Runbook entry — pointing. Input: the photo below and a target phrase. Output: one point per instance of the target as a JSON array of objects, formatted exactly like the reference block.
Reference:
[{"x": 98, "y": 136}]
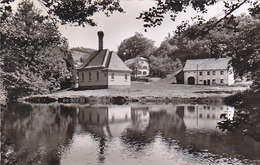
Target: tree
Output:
[
  {"x": 162, "y": 66},
  {"x": 135, "y": 46},
  {"x": 71, "y": 11},
  {"x": 34, "y": 56},
  {"x": 154, "y": 16}
]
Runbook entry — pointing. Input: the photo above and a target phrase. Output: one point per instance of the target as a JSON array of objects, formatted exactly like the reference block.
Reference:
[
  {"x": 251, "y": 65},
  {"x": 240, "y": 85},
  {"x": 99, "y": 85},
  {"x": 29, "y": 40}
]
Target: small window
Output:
[
  {"x": 180, "y": 108},
  {"x": 112, "y": 76},
  {"x": 144, "y": 67},
  {"x": 90, "y": 117},
  {"x": 191, "y": 108},
  {"x": 98, "y": 118},
  {"x": 125, "y": 76},
  {"x": 221, "y": 81},
  {"x": 97, "y": 75},
  {"x": 139, "y": 73},
  {"x": 82, "y": 75},
  {"x": 201, "y": 73},
  {"x": 89, "y": 76},
  {"x": 213, "y": 81},
  {"x": 144, "y": 73},
  {"x": 221, "y": 72},
  {"x": 208, "y": 72},
  {"x": 213, "y": 72}
]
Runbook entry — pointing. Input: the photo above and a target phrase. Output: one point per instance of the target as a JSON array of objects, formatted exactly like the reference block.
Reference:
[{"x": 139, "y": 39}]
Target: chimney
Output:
[{"x": 100, "y": 40}]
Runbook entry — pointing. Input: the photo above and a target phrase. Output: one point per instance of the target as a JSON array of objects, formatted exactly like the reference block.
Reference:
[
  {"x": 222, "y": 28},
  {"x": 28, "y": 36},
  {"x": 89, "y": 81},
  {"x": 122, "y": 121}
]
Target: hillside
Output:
[{"x": 80, "y": 54}]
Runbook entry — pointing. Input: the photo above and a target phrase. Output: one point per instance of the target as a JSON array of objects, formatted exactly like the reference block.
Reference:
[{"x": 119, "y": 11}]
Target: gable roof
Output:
[
  {"x": 206, "y": 64},
  {"x": 106, "y": 60},
  {"x": 133, "y": 60}
]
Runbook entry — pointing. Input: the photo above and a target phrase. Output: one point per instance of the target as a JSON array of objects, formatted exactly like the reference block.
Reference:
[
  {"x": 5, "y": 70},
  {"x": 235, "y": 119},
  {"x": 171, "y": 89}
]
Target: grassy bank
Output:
[{"x": 143, "y": 92}]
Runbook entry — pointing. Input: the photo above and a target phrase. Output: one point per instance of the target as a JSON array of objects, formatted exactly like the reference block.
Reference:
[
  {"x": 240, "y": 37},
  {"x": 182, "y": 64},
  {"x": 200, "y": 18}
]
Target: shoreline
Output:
[{"x": 120, "y": 100}]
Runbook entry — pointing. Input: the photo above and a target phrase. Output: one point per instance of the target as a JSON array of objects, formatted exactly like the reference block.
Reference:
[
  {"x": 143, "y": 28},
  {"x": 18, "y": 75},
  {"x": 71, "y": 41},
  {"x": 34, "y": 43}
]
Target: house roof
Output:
[
  {"x": 206, "y": 64},
  {"x": 106, "y": 60},
  {"x": 133, "y": 60}
]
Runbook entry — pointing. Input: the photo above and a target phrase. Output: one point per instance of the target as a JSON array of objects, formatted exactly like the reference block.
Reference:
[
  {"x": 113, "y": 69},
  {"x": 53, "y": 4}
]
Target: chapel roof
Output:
[{"x": 106, "y": 60}]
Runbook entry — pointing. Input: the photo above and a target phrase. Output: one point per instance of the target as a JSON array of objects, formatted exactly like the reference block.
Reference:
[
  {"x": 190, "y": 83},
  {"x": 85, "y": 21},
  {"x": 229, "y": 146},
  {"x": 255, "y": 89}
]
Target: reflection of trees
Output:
[
  {"x": 169, "y": 125},
  {"x": 34, "y": 133},
  {"x": 172, "y": 129}
]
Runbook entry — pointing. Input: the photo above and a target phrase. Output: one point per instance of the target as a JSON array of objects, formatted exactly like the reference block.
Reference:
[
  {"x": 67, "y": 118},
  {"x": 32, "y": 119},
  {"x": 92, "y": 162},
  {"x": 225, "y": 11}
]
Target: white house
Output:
[
  {"x": 141, "y": 66},
  {"x": 211, "y": 71},
  {"x": 103, "y": 69}
]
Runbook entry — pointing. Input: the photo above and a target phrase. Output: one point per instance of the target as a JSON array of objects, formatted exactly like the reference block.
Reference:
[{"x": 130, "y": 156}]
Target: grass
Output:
[{"x": 156, "y": 89}]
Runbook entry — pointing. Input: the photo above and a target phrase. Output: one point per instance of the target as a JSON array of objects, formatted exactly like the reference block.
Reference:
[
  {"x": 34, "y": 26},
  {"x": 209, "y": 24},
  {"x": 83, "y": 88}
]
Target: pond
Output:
[{"x": 121, "y": 134}]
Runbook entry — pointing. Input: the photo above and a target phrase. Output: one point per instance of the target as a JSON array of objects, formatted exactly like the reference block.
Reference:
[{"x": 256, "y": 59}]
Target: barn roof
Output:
[
  {"x": 106, "y": 60},
  {"x": 206, "y": 64}
]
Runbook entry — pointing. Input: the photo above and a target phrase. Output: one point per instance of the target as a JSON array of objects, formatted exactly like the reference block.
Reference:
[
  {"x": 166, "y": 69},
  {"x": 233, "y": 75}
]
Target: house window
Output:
[
  {"x": 89, "y": 76},
  {"x": 98, "y": 118},
  {"x": 213, "y": 72},
  {"x": 125, "y": 76},
  {"x": 144, "y": 73},
  {"x": 97, "y": 75},
  {"x": 112, "y": 76},
  {"x": 82, "y": 75},
  {"x": 144, "y": 67},
  {"x": 221, "y": 72},
  {"x": 221, "y": 81},
  {"x": 201, "y": 73},
  {"x": 213, "y": 81},
  {"x": 139, "y": 73},
  {"x": 208, "y": 72}
]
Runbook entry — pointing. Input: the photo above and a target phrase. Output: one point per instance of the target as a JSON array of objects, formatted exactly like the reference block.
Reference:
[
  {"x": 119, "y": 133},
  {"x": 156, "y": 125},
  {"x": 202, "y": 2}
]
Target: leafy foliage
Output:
[
  {"x": 71, "y": 11},
  {"x": 135, "y": 46},
  {"x": 154, "y": 16},
  {"x": 246, "y": 118},
  {"x": 80, "y": 11},
  {"x": 162, "y": 66},
  {"x": 5, "y": 9},
  {"x": 34, "y": 56}
]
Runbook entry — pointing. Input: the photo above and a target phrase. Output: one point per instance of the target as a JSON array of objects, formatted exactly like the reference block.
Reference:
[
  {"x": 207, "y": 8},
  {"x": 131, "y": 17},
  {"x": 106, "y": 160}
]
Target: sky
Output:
[{"x": 120, "y": 26}]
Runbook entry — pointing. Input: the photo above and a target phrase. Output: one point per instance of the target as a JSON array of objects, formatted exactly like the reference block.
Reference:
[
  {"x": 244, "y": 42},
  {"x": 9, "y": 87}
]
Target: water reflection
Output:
[{"x": 66, "y": 134}]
